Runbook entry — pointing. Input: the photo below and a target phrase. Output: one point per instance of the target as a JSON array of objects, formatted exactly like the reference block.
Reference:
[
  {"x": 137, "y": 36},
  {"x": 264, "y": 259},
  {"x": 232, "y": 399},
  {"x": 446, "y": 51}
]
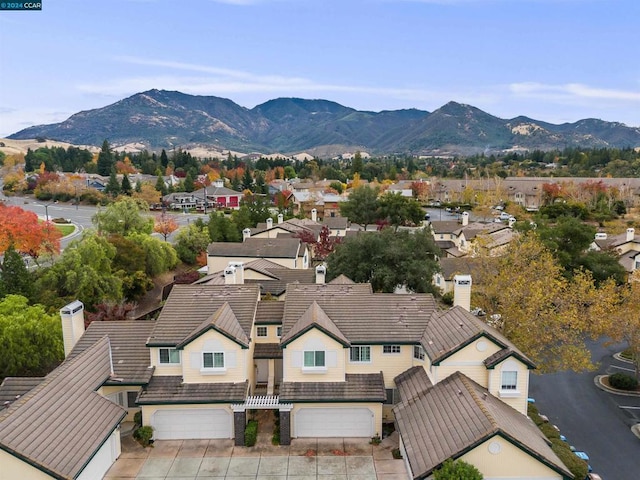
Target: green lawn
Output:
[{"x": 65, "y": 229}]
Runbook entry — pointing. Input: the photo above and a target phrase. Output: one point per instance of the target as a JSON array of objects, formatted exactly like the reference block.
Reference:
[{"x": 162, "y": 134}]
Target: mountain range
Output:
[{"x": 167, "y": 119}]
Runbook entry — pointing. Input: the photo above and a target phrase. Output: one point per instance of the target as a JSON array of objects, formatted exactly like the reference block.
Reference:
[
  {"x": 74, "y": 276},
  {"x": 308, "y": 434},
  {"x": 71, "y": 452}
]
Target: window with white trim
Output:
[
  {"x": 168, "y": 356},
  {"x": 391, "y": 349},
  {"x": 314, "y": 358},
  {"x": 509, "y": 381},
  {"x": 213, "y": 360},
  {"x": 262, "y": 331},
  {"x": 418, "y": 352},
  {"x": 360, "y": 354},
  {"x": 279, "y": 331}
]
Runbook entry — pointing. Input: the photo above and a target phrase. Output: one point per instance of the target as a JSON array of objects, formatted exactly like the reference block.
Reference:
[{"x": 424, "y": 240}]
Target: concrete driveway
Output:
[{"x": 304, "y": 459}]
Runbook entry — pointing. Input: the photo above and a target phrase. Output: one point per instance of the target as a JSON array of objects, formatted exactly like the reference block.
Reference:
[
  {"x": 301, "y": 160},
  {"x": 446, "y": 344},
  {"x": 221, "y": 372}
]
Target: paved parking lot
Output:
[{"x": 304, "y": 459}]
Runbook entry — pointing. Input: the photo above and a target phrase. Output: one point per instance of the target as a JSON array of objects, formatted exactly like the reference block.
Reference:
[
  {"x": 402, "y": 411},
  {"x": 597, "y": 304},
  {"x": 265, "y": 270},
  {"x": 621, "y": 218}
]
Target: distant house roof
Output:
[
  {"x": 474, "y": 416},
  {"x": 341, "y": 280},
  {"x": 453, "y": 329},
  {"x": 445, "y": 227},
  {"x": 130, "y": 354},
  {"x": 459, "y": 266},
  {"x": 257, "y": 248},
  {"x": 336, "y": 223},
  {"x": 188, "y": 306},
  {"x": 38, "y": 428},
  {"x": 170, "y": 389},
  {"x": 355, "y": 388}
]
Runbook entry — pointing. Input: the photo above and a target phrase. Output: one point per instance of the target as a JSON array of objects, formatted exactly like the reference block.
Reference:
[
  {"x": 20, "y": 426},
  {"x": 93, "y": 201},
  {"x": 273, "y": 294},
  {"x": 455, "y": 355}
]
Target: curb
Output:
[
  {"x": 636, "y": 430},
  {"x": 598, "y": 382},
  {"x": 620, "y": 358}
]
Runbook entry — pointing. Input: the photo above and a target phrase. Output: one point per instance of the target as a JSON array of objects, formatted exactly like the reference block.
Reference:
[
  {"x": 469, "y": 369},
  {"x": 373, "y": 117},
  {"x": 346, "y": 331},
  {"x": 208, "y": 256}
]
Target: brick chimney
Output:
[
  {"x": 72, "y": 317},
  {"x": 462, "y": 291}
]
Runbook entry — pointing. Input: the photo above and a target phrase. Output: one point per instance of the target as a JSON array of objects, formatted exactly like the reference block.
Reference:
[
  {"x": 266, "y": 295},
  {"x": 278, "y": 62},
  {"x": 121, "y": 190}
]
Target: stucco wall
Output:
[{"x": 314, "y": 339}]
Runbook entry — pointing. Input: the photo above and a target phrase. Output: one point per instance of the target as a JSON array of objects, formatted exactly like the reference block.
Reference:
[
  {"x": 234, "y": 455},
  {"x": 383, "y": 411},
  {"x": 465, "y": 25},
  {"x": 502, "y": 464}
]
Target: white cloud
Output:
[{"x": 572, "y": 92}]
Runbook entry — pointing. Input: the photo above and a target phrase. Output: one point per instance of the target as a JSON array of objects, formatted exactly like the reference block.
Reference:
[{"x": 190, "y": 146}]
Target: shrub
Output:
[
  {"x": 137, "y": 419},
  {"x": 375, "y": 440},
  {"x": 549, "y": 431},
  {"x": 251, "y": 433},
  {"x": 532, "y": 412},
  {"x": 459, "y": 469},
  {"x": 627, "y": 354},
  {"x": 144, "y": 435},
  {"x": 447, "y": 298},
  {"x": 576, "y": 465},
  {"x": 623, "y": 381},
  {"x": 396, "y": 453}
]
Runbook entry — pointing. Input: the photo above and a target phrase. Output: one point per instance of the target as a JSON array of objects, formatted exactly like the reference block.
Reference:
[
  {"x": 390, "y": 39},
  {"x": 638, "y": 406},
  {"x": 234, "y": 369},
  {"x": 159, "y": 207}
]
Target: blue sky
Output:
[{"x": 552, "y": 60}]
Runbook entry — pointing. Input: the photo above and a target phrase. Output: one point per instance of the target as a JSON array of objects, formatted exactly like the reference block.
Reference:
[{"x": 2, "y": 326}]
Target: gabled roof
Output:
[
  {"x": 256, "y": 248},
  {"x": 367, "y": 387},
  {"x": 459, "y": 266},
  {"x": 342, "y": 280},
  {"x": 222, "y": 320},
  {"x": 59, "y": 425},
  {"x": 431, "y": 434},
  {"x": 362, "y": 316},
  {"x": 412, "y": 382},
  {"x": 335, "y": 223},
  {"x": 453, "y": 329},
  {"x": 130, "y": 354},
  {"x": 445, "y": 226},
  {"x": 189, "y": 306},
  {"x": 281, "y": 277},
  {"x": 501, "y": 355},
  {"x": 314, "y": 316}
]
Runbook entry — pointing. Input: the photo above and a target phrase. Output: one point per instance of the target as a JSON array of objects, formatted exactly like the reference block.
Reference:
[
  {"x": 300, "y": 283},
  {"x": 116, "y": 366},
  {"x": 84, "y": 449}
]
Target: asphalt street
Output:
[{"x": 593, "y": 421}]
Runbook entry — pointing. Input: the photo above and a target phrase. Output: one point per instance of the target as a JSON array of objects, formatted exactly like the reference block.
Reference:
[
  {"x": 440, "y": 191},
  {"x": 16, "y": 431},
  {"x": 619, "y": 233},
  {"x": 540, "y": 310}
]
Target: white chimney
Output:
[
  {"x": 230, "y": 275},
  {"x": 631, "y": 233},
  {"x": 465, "y": 219},
  {"x": 321, "y": 272},
  {"x": 239, "y": 269},
  {"x": 269, "y": 223},
  {"x": 462, "y": 291},
  {"x": 280, "y": 218},
  {"x": 314, "y": 215},
  {"x": 72, "y": 317},
  {"x": 246, "y": 233},
  {"x": 219, "y": 183},
  {"x": 512, "y": 222}
]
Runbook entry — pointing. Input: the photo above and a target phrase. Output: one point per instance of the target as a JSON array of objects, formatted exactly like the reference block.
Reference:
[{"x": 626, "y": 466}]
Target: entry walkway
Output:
[{"x": 304, "y": 459}]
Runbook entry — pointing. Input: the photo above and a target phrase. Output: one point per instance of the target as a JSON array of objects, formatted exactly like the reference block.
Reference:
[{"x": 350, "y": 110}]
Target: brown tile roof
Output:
[
  {"x": 453, "y": 329},
  {"x": 281, "y": 277},
  {"x": 188, "y": 306},
  {"x": 256, "y": 248},
  {"x": 269, "y": 312},
  {"x": 224, "y": 321},
  {"x": 412, "y": 382},
  {"x": 12, "y": 388},
  {"x": 171, "y": 389},
  {"x": 356, "y": 388},
  {"x": 493, "y": 360},
  {"x": 131, "y": 358},
  {"x": 267, "y": 350},
  {"x": 60, "y": 424},
  {"x": 314, "y": 316},
  {"x": 445, "y": 226},
  {"x": 459, "y": 266},
  {"x": 335, "y": 223},
  {"x": 362, "y": 316},
  {"x": 456, "y": 415}
]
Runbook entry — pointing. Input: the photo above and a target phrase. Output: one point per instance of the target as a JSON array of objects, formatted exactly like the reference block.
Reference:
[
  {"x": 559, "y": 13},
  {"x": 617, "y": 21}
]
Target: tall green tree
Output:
[
  {"x": 125, "y": 186},
  {"x": 191, "y": 242},
  {"x": 161, "y": 186},
  {"x": 388, "y": 260},
  {"x": 189, "y": 186},
  {"x": 14, "y": 275},
  {"x": 247, "y": 179},
  {"x": 357, "y": 164},
  {"x": 398, "y": 210},
  {"x": 223, "y": 229},
  {"x": 362, "y": 206},
  {"x": 124, "y": 217},
  {"x": 105, "y": 160},
  {"x": 113, "y": 187},
  {"x": 164, "y": 159},
  {"x": 30, "y": 338}
]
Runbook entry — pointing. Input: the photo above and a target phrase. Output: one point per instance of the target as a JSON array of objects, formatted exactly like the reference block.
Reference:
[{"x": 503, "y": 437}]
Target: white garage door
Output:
[
  {"x": 334, "y": 422},
  {"x": 188, "y": 424}
]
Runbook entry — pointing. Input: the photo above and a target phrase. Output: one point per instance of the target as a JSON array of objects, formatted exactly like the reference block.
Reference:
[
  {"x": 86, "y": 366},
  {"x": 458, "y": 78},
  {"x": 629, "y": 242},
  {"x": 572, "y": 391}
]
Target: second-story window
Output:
[
  {"x": 278, "y": 331},
  {"x": 360, "y": 354},
  {"x": 391, "y": 349},
  {"x": 418, "y": 352},
  {"x": 262, "y": 331},
  {"x": 314, "y": 358},
  {"x": 169, "y": 356},
  {"x": 213, "y": 360}
]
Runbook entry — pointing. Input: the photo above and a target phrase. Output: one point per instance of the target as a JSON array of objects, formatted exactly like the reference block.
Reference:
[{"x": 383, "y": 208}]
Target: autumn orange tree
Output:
[
  {"x": 165, "y": 225},
  {"x": 543, "y": 313},
  {"x": 22, "y": 229}
]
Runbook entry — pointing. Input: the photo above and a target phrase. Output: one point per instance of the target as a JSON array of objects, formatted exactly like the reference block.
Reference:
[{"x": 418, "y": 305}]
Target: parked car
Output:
[{"x": 504, "y": 216}]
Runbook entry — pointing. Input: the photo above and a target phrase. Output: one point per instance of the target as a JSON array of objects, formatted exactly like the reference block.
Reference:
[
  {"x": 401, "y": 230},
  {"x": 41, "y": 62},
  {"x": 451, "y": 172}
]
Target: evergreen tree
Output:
[
  {"x": 247, "y": 179},
  {"x": 189, "y": 186},
  {"x": 113, "y": 187},
  {"x": 357, "y": 165},
  {"x": 161, "y": 186},
  {"x": 105, "y": 159},
  {"x": 126, "y": 185},
  {"x": 29, "y": 160},
  {"x": 14, "y": 275},
  {"x": 235, "y": 182},
  {"x": 164, "y": 160}
]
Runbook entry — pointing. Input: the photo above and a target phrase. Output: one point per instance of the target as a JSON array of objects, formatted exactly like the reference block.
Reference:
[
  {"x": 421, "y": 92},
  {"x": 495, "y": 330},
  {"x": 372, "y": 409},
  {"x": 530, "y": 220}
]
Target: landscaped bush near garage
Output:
[
  {"x": 623, "y": 381},
  {"x": 576, "y": 465},
  {"x": 251, "y": 433},
  {"x": 144, "y": 435}
]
